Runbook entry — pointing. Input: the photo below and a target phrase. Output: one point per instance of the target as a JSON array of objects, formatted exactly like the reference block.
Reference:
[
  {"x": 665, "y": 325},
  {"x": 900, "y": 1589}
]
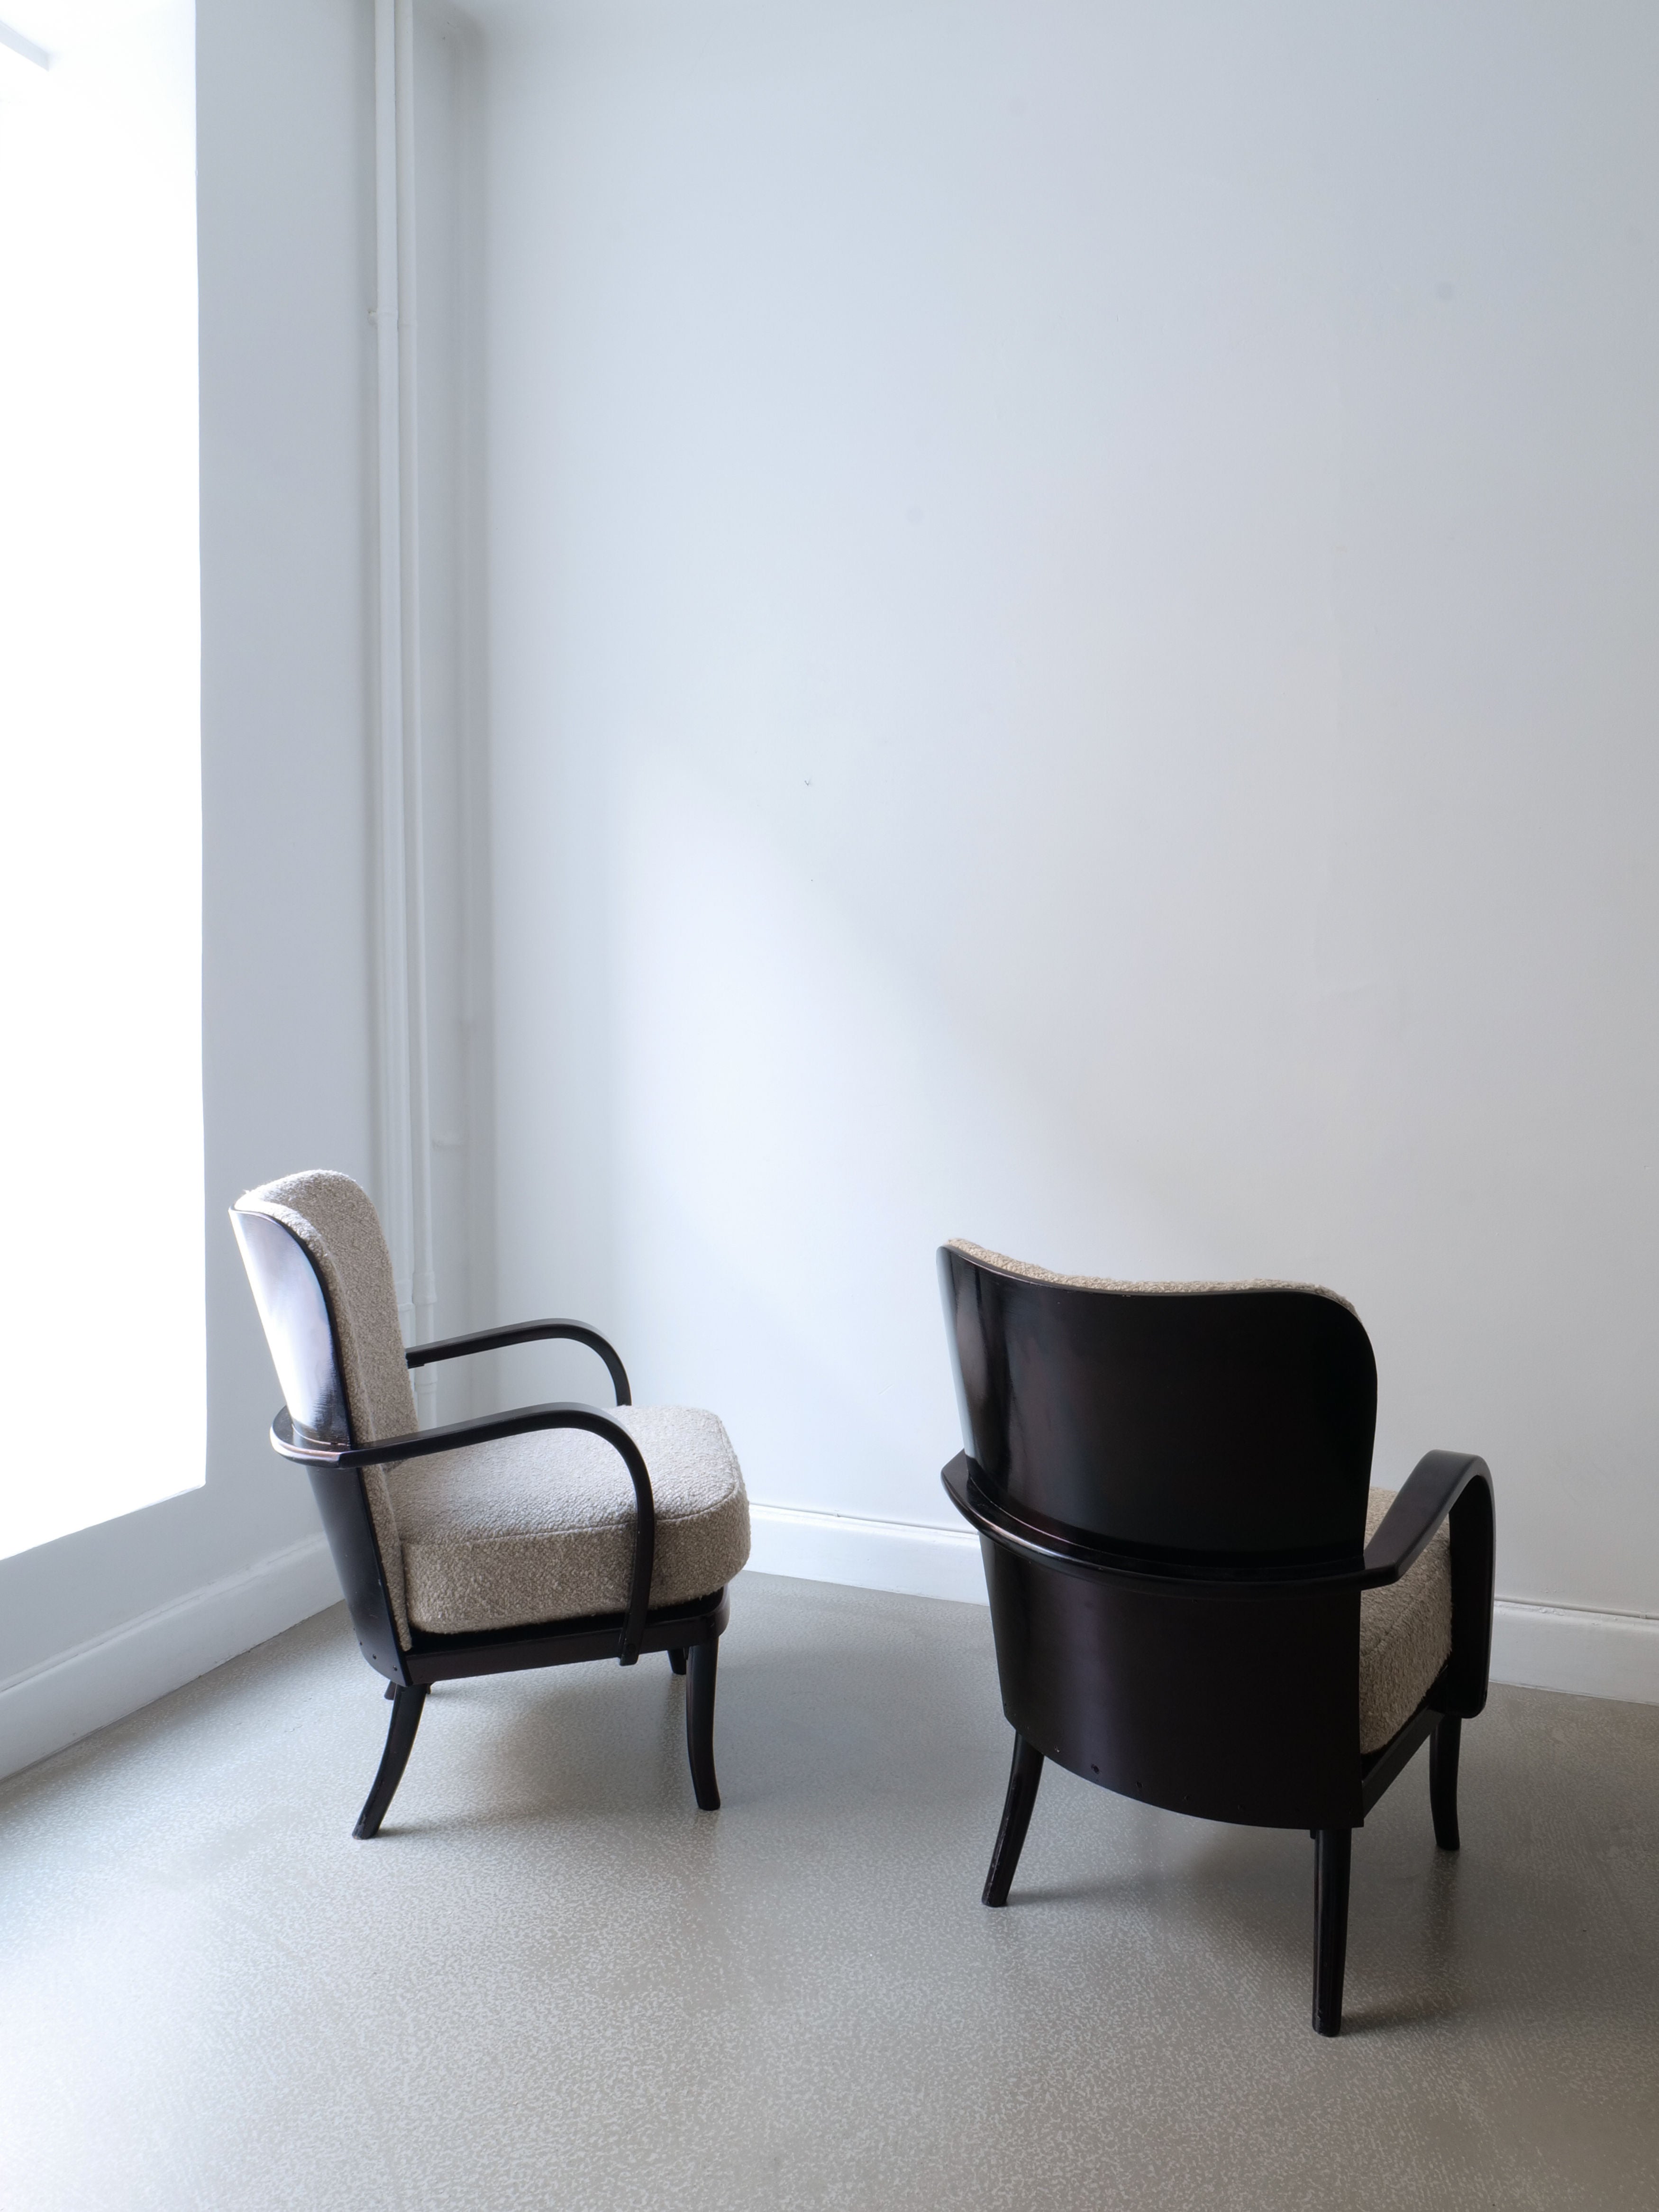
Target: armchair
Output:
[
  {"x": 507, "y": 1541},
  {"x": 1197, "y": 1600}
]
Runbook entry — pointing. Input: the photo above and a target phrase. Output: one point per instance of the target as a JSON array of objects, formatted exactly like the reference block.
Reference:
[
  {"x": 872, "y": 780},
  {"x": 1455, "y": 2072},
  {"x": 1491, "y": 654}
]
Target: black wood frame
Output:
[
  {"x": 301, "y": 1328},
  {"x": 1218, "y": 1677}
]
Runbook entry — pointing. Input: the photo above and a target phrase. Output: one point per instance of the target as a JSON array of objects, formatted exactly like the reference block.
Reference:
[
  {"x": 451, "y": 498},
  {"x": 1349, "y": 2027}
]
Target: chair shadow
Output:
[
  {"x": 1261, "y": 1899},
  {"x": 800, "y": 1726},
  {"x": 1113, "y": 1889},
  {"x": 814, "y": 1725},
  {"x": 1395, "y": 2013},
  {"x": 574, "y": 1755}
]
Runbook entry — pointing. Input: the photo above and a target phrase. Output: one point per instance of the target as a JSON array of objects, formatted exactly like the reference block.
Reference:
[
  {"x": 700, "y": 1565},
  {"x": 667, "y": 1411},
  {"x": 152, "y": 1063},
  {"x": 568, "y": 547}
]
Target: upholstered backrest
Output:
[
  {"x": 1167, "y": 1418},
  {"x": 335, "y": 1223},
  {"x": 335, "y": 1220}
]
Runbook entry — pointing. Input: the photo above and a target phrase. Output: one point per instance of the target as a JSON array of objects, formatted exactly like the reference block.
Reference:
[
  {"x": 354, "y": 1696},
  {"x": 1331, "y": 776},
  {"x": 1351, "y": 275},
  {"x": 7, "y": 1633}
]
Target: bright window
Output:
[{"x": 101, "y": 1308}]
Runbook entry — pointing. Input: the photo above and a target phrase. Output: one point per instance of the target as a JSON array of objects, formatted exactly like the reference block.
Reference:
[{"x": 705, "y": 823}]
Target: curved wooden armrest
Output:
[
  {"x": 525, "y": 1332},
  {"x": 486, "y": 1429},
  {"x": 1455, "y": 1483},
  {"x": 1234, "y": 1574},
  {"x": 1432, "y": 1488}
]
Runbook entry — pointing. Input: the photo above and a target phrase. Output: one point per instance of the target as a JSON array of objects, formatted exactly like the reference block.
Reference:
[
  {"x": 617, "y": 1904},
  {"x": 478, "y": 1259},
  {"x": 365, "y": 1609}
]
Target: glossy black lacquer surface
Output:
[
  {"x": 1171, "y": 1492},
  {"x": 408, "y": 1702},
  {"x": 1443, "y": 1779},
  {"x": 1024, "y": 1776},
  {"x": 526, "y": 1332},
  {"x": 1333, "y": 1863},
  {"x": 314, "y": 1428},
  {"x": 1166, "y": 1425}
]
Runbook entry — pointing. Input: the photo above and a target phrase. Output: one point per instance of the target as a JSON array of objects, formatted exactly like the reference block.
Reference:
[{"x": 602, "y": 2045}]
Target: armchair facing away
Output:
[
  {"x": 1197, "y": 1599},
  {"x": 527, "y": 1538}
]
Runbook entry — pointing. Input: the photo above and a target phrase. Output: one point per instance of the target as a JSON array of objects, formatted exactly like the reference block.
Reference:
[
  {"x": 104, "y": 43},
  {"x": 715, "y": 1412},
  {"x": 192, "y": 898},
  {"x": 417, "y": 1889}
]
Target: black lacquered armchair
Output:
[
  {"x": 1197, "y": 1598},
  {"x": 532, "y": 1538}
]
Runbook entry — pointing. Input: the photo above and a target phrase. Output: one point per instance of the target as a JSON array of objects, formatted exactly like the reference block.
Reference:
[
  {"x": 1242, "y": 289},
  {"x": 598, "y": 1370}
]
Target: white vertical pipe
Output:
[
  {"x": 420, "y": 1103},
  {"x": 396, "y": 1192}
]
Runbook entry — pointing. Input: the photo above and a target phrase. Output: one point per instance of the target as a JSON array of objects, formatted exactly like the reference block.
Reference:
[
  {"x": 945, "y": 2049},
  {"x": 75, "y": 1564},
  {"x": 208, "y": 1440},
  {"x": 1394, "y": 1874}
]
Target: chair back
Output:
[
  {"x": 1203, "y": 1448},
  {"x": 355, "y": 1365},
  {"x": 321, "y": 1277},
  {"x": 1177, "y": 1420}
]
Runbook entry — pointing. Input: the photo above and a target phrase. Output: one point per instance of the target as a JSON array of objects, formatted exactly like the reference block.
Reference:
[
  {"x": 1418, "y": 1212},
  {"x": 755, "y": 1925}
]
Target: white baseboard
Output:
[
  {"x": 907, "y": 1555},
  {"x": 1567, "y": 1647},
  {"x": 1549, "y": 1647},
  {"x": 1543, "y": 1647},
  {"x": 64, "y": 1699}
]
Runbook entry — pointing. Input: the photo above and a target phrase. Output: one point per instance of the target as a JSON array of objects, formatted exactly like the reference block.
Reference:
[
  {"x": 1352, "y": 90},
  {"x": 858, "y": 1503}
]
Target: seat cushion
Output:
[
  {"x": 1405, "y": 1634},
  {"x": 541, "y": 1527}
]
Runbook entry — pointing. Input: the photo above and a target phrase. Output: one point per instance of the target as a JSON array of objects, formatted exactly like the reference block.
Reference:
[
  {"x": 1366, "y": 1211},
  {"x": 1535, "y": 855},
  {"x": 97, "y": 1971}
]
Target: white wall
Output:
[
  {"x": 130, "y": 1609},
  {"x": 1072, "y": 661},
  {"x": 1050, "y": 607}
]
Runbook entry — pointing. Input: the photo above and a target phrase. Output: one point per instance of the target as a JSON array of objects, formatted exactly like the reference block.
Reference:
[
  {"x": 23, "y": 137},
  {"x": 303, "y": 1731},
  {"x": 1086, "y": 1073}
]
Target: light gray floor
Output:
[{"x": 553, "y": 1983}]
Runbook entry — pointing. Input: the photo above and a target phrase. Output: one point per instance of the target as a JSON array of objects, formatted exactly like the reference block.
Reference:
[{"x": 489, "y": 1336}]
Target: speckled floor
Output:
[{"x": 553, "y": 1983}]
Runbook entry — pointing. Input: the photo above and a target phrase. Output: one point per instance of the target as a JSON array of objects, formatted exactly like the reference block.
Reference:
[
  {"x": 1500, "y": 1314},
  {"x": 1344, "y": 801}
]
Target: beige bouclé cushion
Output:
[
  {"x": 541, "y": 1527},
  {"x": 334, "y": 1219},
  {"x": 1032, "y": 1273},
  {"x": 533, "y": 1528},
  {"x": 1405, "y": 1633}
]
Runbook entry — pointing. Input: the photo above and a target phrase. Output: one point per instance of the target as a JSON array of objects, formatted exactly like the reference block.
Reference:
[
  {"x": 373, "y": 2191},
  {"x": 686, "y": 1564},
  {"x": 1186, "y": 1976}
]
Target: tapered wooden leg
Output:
[
  {"x": 1444, "y": 1746},
  {"x": 677, "y": 1657},
  {"x": 701, "y": 1660},
  {"x": 399, "y": 1742},
  {"x": 1333, "y": 1856},
  {"x": 1023, "y": 1779}
]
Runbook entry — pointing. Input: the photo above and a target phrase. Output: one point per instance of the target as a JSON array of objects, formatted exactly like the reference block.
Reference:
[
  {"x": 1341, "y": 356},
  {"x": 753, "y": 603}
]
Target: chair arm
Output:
[
  {"x": 1459, "y": 1485},
  {"x": 1433, "y": 1487},
  {"x": 487, "y": 1428},
  {"x": 524, "y": 1332}
]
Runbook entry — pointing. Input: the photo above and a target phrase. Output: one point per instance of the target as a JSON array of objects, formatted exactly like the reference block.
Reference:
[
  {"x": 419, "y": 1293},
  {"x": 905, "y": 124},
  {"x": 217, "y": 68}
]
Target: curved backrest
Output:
[
  {"x": 1177, "y": 1418},
  {"x": 335, "y": 1221},
  {"x": 322, "y": 1279},
  {"x": 298, "y": 1331}
]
